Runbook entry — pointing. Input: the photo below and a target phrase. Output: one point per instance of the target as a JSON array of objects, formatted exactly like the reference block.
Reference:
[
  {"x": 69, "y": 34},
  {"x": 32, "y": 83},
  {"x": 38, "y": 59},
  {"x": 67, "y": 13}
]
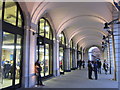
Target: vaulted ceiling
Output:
[{"x": 82, "y": 22}]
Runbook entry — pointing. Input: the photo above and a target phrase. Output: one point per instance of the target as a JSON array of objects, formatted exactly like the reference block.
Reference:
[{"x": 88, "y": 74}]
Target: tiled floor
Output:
[{"x": 78, "y": 79}]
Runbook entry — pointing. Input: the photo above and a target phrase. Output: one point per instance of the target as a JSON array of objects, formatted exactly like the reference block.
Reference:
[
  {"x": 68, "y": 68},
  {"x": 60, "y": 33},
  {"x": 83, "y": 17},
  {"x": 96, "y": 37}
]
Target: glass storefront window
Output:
[
  {"x": 11, "y": 47},
  {"x": 10, "y": 12},
  {"x": 45, "y": 47},
  {"x": 45, "y": 29},
  {"x": 7, "y": 59}
]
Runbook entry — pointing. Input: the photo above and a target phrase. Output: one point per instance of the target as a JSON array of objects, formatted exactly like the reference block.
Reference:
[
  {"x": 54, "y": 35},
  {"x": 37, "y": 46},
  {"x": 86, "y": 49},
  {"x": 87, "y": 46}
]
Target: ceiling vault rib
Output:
[{"x": 58, "y": 30}]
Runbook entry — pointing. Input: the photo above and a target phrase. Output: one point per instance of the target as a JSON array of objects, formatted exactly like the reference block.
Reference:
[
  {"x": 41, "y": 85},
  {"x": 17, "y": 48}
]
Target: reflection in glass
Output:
[
  {"x": 19, "y": 19},
  {"x": 47, "y": 29},
  {"x": 46, "y": 59},
  {"x": 51, "y": 36},
  {"x": 7, "y": 59},
  {"x": 41, "y": 56},
  {"x": 18, "y": 59},
  {"x": 42, "y": 22},
  {"x": 61, "y": 59},
  {"x": 62, "y": 38},
  {"x": 1, "y": 9},
  {"x": 10, "y": 12}
]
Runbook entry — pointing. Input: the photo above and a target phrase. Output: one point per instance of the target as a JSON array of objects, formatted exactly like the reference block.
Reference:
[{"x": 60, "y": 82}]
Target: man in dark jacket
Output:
[
  {"x": 90, "y": 68},
  {"x": 99, "y": 66},
  {"x": 95, "y": 70}
]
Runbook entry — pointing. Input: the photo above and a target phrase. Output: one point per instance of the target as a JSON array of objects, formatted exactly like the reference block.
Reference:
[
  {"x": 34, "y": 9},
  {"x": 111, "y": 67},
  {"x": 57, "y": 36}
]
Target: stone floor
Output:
[{"x": 78, "y": 79}]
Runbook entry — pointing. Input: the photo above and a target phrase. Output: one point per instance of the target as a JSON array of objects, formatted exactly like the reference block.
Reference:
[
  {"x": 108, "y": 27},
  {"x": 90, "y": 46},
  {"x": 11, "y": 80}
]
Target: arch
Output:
[
  {"x": 62, "y": 38},
  {"x": 82, "y": 29},
  {"x": 45, "y": 29},
  {"x": 79, "y": 16},
  {"x": 39, "y": 11},
  {"x": 92, "y": 43},
  {"x": 90, "y": 52},
  {"x": 88, "y": 38}
]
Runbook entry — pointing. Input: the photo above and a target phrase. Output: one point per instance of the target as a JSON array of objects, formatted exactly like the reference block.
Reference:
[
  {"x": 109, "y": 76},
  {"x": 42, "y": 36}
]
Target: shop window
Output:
[
  {"x": 44, "y": 47},
  {"x": 62, "y": 38},
  {"x": 10, "y": 12},
  {"x": 12, "y": 35}
]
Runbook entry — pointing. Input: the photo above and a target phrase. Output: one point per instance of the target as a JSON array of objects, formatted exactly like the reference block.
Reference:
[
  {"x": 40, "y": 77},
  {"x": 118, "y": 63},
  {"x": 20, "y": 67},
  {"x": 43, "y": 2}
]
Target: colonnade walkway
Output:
[{"x": 79, "y": 79}]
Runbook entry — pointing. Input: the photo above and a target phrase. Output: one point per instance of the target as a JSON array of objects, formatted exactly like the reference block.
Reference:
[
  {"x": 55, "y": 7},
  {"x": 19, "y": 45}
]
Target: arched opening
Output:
[
  {"x": 45, "y": 47},
  {"x": 12, "y": 44},
  {"x": 62, "y": 43},
  {"x": 94, "y": 54}
]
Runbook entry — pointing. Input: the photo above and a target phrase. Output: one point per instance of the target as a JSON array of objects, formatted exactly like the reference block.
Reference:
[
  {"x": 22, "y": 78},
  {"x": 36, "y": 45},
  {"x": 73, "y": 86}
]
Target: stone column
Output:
[
  {"x": 73, "y": 59},
  {"x": 75, "y": 64},
  {"x": 29, "y": 57},
  {"x": 56, "y": 68},
  {"x": 67, "y": 59},
  {"x": 25, "y": 62}
]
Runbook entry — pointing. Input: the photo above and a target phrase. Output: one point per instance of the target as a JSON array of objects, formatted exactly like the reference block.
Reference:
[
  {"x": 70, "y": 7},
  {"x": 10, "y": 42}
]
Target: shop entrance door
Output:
[{"x": 11, "y": 56}]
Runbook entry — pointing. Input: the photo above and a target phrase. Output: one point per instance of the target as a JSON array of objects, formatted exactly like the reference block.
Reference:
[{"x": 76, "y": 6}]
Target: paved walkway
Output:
[{"x": 78, "y": 79}]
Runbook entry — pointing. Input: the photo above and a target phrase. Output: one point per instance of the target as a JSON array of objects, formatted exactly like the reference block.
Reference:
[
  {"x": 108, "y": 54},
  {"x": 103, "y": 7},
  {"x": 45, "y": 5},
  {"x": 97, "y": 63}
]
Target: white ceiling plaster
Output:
[{"x": 81, "y": 21}]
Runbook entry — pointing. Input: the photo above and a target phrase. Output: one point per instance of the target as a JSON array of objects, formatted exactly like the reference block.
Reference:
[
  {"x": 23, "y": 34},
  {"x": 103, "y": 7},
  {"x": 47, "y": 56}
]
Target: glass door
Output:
[
  {"x": 61, "y": 60},
  {"x": 41, "y": 58},
  {"x": 47, "y": 59},
  {"x": 7, "y": 59},
  {"x": 11, "y": 59},
  {"x": 18, "y": 59}
]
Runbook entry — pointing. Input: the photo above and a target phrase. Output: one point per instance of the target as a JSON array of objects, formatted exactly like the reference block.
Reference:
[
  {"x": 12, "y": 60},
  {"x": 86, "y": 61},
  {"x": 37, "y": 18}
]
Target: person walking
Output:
[
  {"x": 105, "y": 66},
  {"x": 80, "y": 64},
  {"x": 95, "y": 69},
  {"x": 99, "y": 66},
  {"x": 38, "y": 70},
  {"x": 83, "y": 63},
  {"x": 90, "y": 68}
]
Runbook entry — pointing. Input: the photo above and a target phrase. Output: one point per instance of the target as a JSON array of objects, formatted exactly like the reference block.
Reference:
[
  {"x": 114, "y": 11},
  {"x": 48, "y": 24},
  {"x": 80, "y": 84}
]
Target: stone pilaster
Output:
[
  {"x": 67, "y": 59},
  {"x": 56, "y": 68}
]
